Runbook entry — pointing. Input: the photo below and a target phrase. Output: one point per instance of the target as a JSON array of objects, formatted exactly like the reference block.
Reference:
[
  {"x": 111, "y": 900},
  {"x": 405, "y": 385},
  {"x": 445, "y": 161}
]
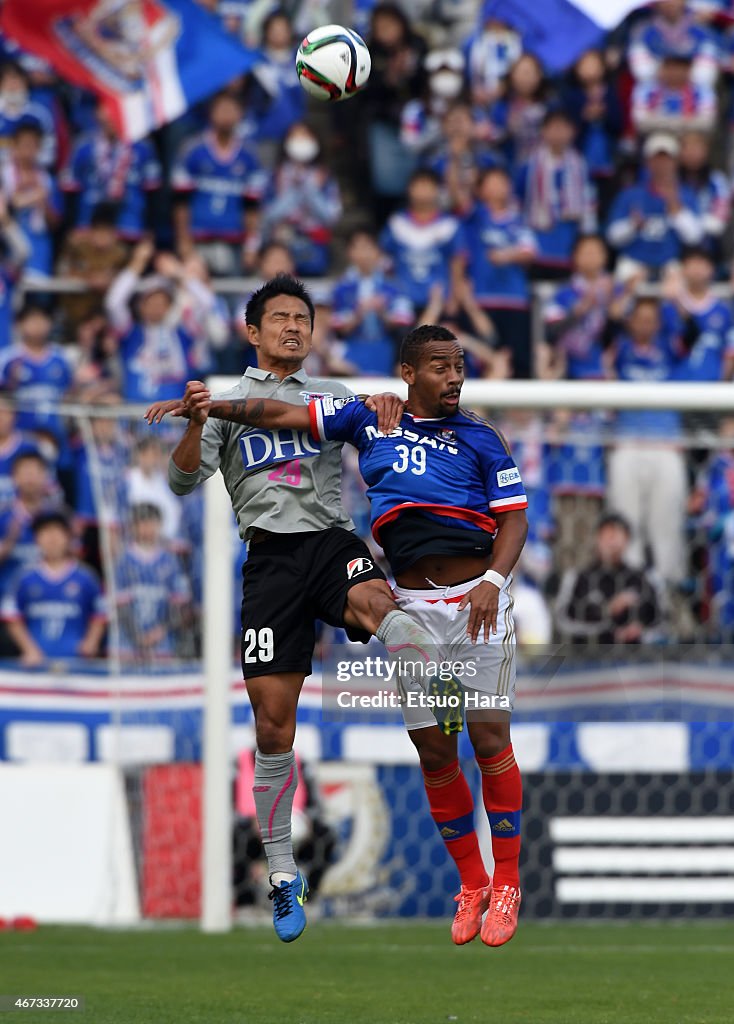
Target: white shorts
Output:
[{"x": 485, "y": 669}]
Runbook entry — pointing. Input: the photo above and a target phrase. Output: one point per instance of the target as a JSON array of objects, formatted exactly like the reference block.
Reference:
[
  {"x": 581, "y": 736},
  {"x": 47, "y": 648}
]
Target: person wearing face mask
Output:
[
  {"x": 303, "y": 203},
  {"x": 420, "y": 122},
  {"x": 278, "y": 101}
]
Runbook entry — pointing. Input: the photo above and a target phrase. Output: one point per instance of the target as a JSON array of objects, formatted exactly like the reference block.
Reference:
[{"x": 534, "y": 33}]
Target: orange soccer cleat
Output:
[
  {"x": 500, "y": 924},
  {"x": 468, "y": 919}
]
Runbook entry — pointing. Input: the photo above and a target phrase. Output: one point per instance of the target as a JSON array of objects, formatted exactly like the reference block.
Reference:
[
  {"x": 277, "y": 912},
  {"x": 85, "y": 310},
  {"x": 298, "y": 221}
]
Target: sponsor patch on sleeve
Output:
[{"x": 505, "y": 477}]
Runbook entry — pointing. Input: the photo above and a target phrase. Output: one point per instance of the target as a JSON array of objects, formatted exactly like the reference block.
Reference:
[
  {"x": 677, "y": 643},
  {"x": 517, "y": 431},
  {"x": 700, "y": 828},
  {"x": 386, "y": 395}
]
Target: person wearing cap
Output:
[
  {"x": 651, "y": 221},
  {"x": 420, "y": 120},
  {"x": 609, "y": 601},
  {"x": 158, "y": 355},
  {"x": 54, "y": 609}
]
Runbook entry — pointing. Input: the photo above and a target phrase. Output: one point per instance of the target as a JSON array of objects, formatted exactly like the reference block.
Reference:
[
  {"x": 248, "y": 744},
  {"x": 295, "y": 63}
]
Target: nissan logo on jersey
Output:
[{"x": 357, "y": 566}]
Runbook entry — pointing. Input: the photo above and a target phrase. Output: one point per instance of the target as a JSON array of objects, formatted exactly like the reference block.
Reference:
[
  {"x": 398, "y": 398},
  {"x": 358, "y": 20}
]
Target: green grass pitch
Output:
[{"x": 387, "y": 974}]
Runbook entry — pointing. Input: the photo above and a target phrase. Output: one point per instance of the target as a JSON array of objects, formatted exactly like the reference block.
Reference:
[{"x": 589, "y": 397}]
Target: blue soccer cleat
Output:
[{"x": 289, "y": 917}]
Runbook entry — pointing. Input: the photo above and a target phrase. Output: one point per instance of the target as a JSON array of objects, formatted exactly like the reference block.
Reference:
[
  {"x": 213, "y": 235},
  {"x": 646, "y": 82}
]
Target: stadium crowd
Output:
[{"x": 460, "y": 179}]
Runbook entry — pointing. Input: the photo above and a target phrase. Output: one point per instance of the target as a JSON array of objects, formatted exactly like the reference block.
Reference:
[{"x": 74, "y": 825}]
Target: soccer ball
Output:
[{"x": 333, "y": 63}]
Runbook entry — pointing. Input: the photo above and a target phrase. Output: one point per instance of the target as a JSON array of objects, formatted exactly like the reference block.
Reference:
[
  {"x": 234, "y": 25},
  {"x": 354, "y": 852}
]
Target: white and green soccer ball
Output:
[{"x": 333, "y": 63}]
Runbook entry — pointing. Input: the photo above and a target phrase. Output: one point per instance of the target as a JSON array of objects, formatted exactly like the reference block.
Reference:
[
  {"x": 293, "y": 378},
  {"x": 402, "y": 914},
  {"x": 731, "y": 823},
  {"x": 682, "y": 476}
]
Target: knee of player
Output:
[
  {"x": 489, "y": 738},
  {"x": 435, "y": 751},
  {"x": 369, "y": 603},
  {"x": 273, "y": 737}
]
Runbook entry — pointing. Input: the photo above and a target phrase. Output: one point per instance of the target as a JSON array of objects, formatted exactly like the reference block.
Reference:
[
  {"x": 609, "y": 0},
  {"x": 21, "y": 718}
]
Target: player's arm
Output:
[{"x": 512, "y": 529}]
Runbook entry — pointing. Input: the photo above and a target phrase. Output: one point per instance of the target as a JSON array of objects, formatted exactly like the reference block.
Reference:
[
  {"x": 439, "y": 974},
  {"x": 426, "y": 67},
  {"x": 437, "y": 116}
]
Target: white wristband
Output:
[{"x": 494, "y": 577}]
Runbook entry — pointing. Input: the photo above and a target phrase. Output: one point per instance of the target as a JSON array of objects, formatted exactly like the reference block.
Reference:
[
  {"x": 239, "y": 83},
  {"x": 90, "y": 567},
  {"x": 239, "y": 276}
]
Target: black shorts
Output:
[{"x": 289, "y": 581}]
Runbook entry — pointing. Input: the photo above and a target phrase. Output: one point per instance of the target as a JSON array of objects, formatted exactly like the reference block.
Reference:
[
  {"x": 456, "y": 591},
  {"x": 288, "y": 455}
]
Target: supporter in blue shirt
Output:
[
  {"x": 514, "y": 120},
  {"x": 710, "y": 186},
  {"x": 303, "y": 203},
  {"x": 33, "y": 196},
  {"x": 102, "y": 502},
  {"x": 673, "y": 102},
  {"x": 13, "y": 442},
  {"x": 671, "y": 30},
  {"x": 152, "y": 591},
  {"x": 54, "y": 608},
  {"x": 104, "y": 169},
  {"x": 14, "y": 251},
  {"x": 278, "y": 101},
  {"x": 420, "y": 241},
  {"x": 218, "y": 179},
  {"x": 595, "y": 108},
  {"x": 714, "y": 503},
  {"x": 647, "y": 469},
  {"x": 421, "y": 118},
  {"x": 158, "y": 356},
  {"x": 34, "y": 492},
  {"x": 462, "y": 156},
  {"x": 709, "y": 356},
  {"x": 17, "y": 106},
  {"x": 493, "y": 250},
  {"x": 37, "y": 373},
  {"x": 576, "y": 315},
  {"x": 647, "y": 351},
  {"x": 490, "y": 52},
  {"x": 556, "y": 194},
  {"x": 368, "y": 310},
  {"x": 650, "y": 222}
]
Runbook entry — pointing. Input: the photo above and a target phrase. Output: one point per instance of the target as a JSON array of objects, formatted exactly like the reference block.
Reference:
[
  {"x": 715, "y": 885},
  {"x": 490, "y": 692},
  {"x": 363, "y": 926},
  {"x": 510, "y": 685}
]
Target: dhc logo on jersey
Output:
[
  {"x": 505, "y": 477},
  {"x": 261, "y": 448}
]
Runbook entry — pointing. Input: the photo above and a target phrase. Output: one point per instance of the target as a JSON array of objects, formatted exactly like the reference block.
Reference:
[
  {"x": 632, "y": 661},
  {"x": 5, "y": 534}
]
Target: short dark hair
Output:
[
  {"x": 696, "y": 252},
  {"x": 614, "y": 519},
  {"x": 557, "y": 114},
  {"x": 28, "y": 456},
  {"x": 425, "y": 174},
  {"x": 28, "y": 125},
  {"x": 104, "y": 215},
  {"x": 32, "y": 309},
  {"x": 415, "y": 342},
  {"x": 281, "y": 284},
  {"x": 363, "y": 231},
  {"x": 144, "y": 511},
  {"x": 52, "y": 517}
]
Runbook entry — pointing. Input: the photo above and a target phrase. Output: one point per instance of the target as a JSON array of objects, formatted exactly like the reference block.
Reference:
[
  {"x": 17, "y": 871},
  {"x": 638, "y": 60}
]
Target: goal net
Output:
[{"x": 625, "y": 619}]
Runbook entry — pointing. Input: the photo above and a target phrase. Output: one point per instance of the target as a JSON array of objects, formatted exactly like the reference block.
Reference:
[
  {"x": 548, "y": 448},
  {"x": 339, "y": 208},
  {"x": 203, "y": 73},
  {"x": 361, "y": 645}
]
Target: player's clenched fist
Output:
[{"x": 197, "y": 400}]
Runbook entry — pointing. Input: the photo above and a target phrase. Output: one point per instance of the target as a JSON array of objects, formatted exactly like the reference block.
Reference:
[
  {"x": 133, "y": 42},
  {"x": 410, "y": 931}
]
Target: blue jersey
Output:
[
  {"x": 641, "y": 227},
  {"x": 39, "y": 382},
  {"x": 33, "y": 220},
  {"x": 496, "y": 287},
  {"x": 218, "y": 182},
  {"x": 112, "y": 461},
  {"x": 16, "y": 521},
  {"x": 370, "y": 346},
  {"x": 421, "y": 253},
  {"x": 101, "y": 170},
  {"x": 718, "y": 518},
  {"x": 57, "y": 607},
  {"x": 654, "y": 362},
  {"x": 17, "y": 444},
  {"x": 715, "y": 341},
  {"x": 456, "y": 469},
  {"x": 276, "y": 99},
  {"x": 148, "y": 581},
  {"x": 581, "y": 341},
  {"x": 8, "y": 280},
  {"x": 157, "y": 362}
]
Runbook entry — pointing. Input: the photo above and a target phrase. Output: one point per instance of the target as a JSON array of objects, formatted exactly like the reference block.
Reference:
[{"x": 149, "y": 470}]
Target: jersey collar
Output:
[{"x": 300, "y": 375}]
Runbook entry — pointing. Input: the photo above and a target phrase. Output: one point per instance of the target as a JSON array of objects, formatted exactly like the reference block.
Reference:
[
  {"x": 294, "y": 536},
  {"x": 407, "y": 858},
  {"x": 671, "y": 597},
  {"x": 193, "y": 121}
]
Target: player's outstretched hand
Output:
[
  {"x": 173, "y": 407},
  {"x": 389, "y": 409},
  {"x": 484, "y": 600}
]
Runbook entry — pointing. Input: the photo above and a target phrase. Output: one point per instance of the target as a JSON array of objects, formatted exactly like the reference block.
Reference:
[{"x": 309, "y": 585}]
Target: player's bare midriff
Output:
[{"x": 442, "y": 570}]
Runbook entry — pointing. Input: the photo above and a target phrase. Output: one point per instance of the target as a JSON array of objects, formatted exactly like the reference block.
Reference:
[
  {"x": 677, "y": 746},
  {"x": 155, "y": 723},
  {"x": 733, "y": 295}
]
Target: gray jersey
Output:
[{"x": 279, "y": 480}]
